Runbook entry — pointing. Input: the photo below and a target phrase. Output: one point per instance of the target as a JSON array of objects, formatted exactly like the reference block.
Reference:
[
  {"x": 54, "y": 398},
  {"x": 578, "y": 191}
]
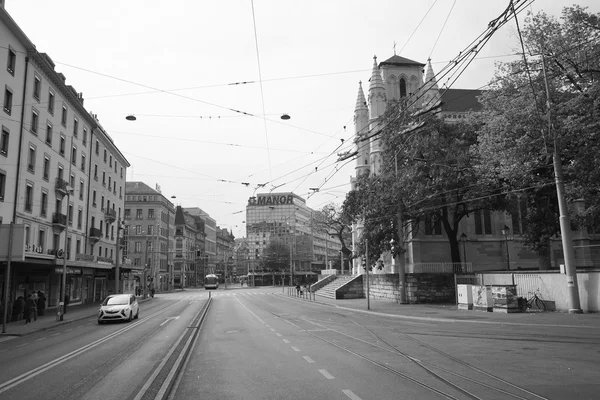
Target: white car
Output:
[{"x": 119, "y": 307}]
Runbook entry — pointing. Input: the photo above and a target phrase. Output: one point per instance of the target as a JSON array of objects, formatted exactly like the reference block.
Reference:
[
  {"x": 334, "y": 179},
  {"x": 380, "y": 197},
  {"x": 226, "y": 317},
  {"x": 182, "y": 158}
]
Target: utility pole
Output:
[
  {"x": 565, "y": 223},
  {"x": 367, "y": 272}
]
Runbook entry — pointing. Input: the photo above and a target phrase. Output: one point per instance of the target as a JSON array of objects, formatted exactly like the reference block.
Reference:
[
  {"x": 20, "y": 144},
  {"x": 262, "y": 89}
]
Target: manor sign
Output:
[{"x": 271, "y": 200}]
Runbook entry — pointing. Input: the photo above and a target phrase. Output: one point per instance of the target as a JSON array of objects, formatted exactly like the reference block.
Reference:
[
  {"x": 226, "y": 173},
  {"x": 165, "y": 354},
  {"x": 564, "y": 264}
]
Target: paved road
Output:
[
  {"x": 273, "y": 347},
  {"x": 260, "y": 343}
]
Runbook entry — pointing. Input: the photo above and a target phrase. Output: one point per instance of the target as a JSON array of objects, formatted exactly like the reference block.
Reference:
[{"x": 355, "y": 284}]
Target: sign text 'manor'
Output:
[{"x": 272, "y": 200}]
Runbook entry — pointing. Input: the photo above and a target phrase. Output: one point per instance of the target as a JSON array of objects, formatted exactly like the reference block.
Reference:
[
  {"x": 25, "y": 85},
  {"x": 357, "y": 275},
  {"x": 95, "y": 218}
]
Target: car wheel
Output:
[
  {"x": 130, "y": 316},
  {"x": 137, "y": 314},
  {"x": 100, "y": 322}
]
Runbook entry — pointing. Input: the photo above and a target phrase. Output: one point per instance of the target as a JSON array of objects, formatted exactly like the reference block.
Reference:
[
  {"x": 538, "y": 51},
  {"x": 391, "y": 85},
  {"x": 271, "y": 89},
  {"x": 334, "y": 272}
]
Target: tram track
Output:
[{"x": 332, "y": 327}]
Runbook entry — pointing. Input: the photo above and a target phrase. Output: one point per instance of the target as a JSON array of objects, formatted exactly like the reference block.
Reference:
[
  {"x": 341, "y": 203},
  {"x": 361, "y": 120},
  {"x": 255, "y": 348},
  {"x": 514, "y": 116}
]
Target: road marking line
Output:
[
  {"x": 326, "y": 374},
  {"x": 56, "y": 334},
  {"x": 68, "y": 330},
  {"x": 272, "y": 330},
  {"x": 21, "y": 345},
  {"x": 295, "y": 348},
  {"x": 308, "y": 359},
  {"x": 350, "y": 394},
  {"x": 40, "y": 339},
  {"x": 278, "y": 334},
  {"x": 285, "y": 341}
]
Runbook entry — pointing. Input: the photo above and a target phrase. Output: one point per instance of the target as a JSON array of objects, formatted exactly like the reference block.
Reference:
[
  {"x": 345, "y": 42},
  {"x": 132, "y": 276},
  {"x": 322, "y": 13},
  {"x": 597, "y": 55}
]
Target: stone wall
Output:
[
  {"x": 352, "y": 290},
  {"x": 420, "y": 288}
]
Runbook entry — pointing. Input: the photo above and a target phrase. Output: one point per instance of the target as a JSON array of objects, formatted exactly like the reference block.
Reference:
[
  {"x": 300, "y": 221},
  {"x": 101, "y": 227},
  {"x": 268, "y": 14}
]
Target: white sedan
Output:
[{"x": 118, "y": 307}]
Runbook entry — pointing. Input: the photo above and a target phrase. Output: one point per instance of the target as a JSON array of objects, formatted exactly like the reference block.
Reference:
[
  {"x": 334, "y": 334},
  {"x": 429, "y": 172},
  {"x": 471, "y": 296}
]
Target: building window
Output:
[
  {"x": 60, "y": 171},
  {"x": 4, "y": 141},
  {"x": 2, "y": 184},
  {"x": 79, "y": 219},
  {"x": 97, "y": 148},
  {"x": 151, "y": 213},
  {"x": 102, "y": 203},
  {"x": 74, "y": 155},
  {"x": 84, "y": 136},
  {"x": 37, "y": 87},
  {"x": 72, "y": 181},
  {"x": 12, "y": 61},
  {"x": 34, "y": 121},
  {"x": 63, "y": 141},
  {"x": 104, "y": 155},
  {"x": 8, "y": 95},
  {"x": 103, "y": 178},
  {"x": 44, "y": 205},
  {"x": 139, "y": 214},
  {"x": 70, "y": 214},
  {"x": 150, "y": 230},
  {"x": 31, "y": 159},
  {"x": 483, "y": 222},
  {"x": 46, "y": 168},
  {"x": 109, "y": 182},
  {"x": 138, "y": 229},
  {"x": 402, "y": 87},
  {"x": 138, "y": 247},
  {"x": 95, "y": 171},
  {"x": 49, "y": 134},
  {"x": 81, "y": 189},
  {"x": 121, "y": 172},
  {"x": 50, "y": 102},
  {"x": 115, "y": 166},
  {"x": 29, "y": 197},
  {"x": 75, "y": 127},
  {"x": 78, "y": 245},
  {"x": 127, "y": 213},
  {"x": 94, "y": 198},
  {"x": 83, "y": 162},
  {"x": 63, "y": 118},
  {"x": 41, "y": 239}
]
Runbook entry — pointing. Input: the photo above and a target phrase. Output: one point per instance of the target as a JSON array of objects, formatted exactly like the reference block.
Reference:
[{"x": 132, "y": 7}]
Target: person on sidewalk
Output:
[
  {"x": 29, "y": 305},
  {"x": 41, "y": 302},
  {"x": 34, "y": 297},
  {"x": 67, "y": 299},
  {"x": 18, "y": 309}
]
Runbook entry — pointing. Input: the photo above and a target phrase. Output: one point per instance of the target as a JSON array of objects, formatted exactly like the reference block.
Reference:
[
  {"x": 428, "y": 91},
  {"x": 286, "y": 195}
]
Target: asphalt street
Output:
[{"x": 261, "y": 343}]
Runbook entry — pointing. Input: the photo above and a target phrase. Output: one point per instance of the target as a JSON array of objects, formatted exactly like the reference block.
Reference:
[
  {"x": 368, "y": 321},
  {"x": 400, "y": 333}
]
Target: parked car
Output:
[{"x": 119, "y": 307}]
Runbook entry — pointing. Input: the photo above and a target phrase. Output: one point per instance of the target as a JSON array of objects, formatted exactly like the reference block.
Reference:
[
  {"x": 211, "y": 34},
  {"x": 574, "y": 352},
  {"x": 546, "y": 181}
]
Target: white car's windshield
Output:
[{"x": 116, "y": 301}]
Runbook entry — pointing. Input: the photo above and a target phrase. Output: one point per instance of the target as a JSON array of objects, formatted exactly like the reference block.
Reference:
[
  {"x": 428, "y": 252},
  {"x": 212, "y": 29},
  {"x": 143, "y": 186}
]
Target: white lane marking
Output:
[
  {"x": 267, "y": 325},
  {"x": 295, "y": 348},
  {"x": 285, "y": 341},
  {"x": 350, "y": 394},
  {"x": 250, "y": 311},
  {"x": 40, "y": 339},
  {"x": 278, "y": 334},
  {"x": 326, "y": 374},
  {"x": 21, "y": 345},
  {"x": 169, "y": 319},
  {"x": 69, "y": 330},
  {"x": 56, "y": 334},
  {"x": 308, "y": 359},
  {"x": 272, "y": 330}
]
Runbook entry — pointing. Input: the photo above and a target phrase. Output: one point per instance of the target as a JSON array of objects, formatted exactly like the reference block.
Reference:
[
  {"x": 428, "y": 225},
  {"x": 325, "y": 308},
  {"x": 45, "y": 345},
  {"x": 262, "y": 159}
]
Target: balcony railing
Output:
[
  {"x": 95, "y": 234},
  {"x": 59, "y": 220},
  {"x": 110, "y": 215},
  {"x": 61, "y": 187}
]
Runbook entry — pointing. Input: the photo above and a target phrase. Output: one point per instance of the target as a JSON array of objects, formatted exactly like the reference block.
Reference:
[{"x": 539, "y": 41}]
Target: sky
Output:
[{"x": 209, "y": 80}]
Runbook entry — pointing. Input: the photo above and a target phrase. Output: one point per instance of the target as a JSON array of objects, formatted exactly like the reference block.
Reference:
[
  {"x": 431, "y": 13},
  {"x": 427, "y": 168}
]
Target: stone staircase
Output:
[{"x": 331, "y": 288}]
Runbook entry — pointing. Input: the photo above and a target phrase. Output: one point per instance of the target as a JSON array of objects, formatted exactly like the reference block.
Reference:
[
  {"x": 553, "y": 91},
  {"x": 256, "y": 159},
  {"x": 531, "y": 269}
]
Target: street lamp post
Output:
[
  {"x": 463, "y": 239},
  {"x": 505, "y": 232},
  {"x": 63, "y": 291}
]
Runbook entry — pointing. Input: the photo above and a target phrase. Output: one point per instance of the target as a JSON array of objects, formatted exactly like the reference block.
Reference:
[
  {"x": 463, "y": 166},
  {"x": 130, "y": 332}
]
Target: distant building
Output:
[
  {"x": 149, "y": 218},
  {"x": 285, "y": 218}
]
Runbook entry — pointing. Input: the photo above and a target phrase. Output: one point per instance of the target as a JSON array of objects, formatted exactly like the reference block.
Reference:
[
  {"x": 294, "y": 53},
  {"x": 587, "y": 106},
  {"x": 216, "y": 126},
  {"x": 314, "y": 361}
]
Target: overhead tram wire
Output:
[
  {"x": 415, "y": 30},
  {"x": 474, "y": 47},
  {"x": 262, "y": 95},
  {"x": 442, "y": 29}
]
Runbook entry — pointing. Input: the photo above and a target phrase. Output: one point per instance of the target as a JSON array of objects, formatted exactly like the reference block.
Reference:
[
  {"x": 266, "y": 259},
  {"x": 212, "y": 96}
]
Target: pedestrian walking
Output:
[
  {"x": 34, "y": 297},
  {"x": 29, "y": 306},
  {"x": 18, "y": 308},
  {"x": 41, "y": 303},
  {"x": 67, "y": 300}
]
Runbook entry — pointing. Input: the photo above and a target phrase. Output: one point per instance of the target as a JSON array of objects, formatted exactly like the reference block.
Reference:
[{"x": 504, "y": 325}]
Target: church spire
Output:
[
  {"x": 430, "y": 87},
  {"x": 361, "y": 102},
  {"x": 376, "y": 81}
]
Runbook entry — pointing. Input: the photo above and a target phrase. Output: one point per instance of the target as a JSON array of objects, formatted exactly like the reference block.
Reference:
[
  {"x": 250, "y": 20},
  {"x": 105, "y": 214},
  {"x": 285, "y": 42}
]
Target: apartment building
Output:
[{"x": 45, "y": 177}]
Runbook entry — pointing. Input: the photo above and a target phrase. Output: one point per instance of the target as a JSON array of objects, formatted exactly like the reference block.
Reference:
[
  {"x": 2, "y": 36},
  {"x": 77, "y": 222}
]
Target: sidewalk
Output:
[
  {"x": 49, "y": 320},
  {"x": 451, "y": 313}
]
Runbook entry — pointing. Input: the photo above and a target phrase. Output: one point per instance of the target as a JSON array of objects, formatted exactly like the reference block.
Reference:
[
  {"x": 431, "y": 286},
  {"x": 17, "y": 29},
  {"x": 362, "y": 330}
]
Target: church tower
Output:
[
  {"x": 377, "y": 105},
  {"x": 431, "y": 92},
  {"x": 361, "y": 129}
]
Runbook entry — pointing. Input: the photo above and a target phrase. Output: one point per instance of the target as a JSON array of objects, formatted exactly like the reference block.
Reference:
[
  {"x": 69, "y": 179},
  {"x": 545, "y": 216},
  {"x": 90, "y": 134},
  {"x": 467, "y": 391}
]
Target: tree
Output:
[
  {"x": 516, "y": 143},
  {"x": 334, "y": 222},
  {"x": 276, "y": 257},
  {"x": 429, "y": 179}
]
